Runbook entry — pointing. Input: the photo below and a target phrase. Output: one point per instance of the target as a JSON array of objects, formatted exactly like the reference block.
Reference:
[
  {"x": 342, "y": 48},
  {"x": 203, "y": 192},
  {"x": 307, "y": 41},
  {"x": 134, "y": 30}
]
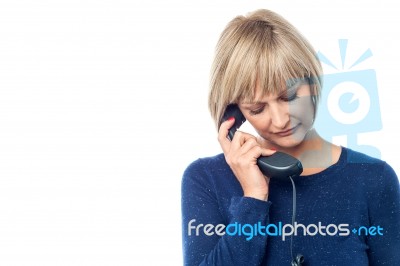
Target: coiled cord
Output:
[{"x": 299, "y": 260}]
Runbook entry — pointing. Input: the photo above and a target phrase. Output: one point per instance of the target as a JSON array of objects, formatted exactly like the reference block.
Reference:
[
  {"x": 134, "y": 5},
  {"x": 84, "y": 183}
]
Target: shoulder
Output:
[
  {"x": 364, "y": 162},
  {"x": 202, "y": 169},
  {"x": 205, "y": 164},
  {"x": 355, "y": 157},
  {"x": 375, "y": 173}
]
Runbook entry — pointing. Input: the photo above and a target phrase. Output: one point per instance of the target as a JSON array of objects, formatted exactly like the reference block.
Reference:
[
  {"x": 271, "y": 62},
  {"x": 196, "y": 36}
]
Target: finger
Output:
[
  {"x": 256, "y": 151},
  {"x": 223, "y": 133},
  {"x": 248, "y": 145},
  {"x": 267, "y": 152},
  {"x": 241, "y": 138}
]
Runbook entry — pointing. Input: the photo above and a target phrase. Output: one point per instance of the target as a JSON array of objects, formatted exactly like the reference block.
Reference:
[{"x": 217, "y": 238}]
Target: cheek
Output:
[
  {"x": 303, "y": 110},
  {"x": 256, "y": 123},
  {"x": 259, "y": 123}
]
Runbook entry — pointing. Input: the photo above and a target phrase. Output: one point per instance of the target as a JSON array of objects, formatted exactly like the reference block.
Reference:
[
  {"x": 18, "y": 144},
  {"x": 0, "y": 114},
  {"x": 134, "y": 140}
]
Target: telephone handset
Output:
[{"x": 279, "y": 165}]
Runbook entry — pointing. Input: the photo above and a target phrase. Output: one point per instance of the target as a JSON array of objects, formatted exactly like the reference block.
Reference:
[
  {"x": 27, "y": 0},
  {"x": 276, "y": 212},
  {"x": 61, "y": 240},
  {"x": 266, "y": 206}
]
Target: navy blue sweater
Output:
[{"x": 355, "y": 203}]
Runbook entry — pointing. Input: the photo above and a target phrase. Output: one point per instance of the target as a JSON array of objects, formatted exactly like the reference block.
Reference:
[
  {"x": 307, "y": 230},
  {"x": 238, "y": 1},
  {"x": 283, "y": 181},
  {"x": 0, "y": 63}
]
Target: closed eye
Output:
[
  {"x": 289, "y": 98},
  {"x": 257, "y": 111}
]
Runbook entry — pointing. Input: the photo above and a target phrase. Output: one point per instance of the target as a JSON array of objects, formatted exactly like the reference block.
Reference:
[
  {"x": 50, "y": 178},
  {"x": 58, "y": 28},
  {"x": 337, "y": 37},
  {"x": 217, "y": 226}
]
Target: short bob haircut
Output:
[{"x": 260, "y": 47}]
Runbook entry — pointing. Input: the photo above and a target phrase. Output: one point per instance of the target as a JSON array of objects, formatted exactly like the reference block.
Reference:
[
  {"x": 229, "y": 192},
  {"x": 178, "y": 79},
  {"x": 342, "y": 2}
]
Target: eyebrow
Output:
[{"x": 252, "y": 103}]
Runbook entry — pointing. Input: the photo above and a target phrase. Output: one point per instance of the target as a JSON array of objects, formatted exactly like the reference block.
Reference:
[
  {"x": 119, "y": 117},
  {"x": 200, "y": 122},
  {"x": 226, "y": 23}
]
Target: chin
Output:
[{"x": 288, "y": 142}]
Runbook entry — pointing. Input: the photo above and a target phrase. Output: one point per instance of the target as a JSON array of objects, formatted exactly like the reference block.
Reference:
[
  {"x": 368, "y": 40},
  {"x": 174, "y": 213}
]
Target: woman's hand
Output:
[{"x": 241, "y": 155}]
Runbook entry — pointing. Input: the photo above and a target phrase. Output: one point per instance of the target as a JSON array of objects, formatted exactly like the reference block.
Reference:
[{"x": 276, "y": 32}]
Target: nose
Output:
[{"x": 279, "y": 115}]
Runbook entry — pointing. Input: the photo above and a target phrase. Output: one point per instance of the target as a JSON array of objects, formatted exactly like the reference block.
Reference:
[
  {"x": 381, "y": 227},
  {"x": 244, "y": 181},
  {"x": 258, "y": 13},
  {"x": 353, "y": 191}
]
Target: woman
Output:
[{"x": 348, "y": 204}]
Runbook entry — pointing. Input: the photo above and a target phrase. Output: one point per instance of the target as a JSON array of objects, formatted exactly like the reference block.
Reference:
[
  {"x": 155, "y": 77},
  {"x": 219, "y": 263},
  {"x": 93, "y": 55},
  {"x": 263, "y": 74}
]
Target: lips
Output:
[{"x": 287, "y": 132}]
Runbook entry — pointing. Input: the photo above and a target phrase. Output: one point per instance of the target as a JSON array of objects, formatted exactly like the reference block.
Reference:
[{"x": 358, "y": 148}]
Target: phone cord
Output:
[{"x": 298, "y": 261}]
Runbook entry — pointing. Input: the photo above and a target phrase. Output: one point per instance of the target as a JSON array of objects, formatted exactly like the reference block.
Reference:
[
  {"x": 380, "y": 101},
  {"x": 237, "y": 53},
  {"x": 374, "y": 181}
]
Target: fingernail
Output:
[
  {"x": 231, "y": 118},
  {"x": 272, "y": 149}
]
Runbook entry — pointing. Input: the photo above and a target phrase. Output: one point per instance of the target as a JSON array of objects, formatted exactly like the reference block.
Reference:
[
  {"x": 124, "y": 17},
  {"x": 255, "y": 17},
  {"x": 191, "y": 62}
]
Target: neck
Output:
[
  {"x": 315, "y": 153},
  {"x": 312, "y": 142}
]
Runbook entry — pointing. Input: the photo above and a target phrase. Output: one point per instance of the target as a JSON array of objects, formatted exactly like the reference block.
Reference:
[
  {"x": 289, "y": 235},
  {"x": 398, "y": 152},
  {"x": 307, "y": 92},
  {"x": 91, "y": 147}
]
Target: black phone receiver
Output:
[{"x": 279, "y": 165}]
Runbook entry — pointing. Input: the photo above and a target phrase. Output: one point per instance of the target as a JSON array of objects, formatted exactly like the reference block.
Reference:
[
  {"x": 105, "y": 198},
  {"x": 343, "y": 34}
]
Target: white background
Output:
[{"x": 104, "y": 103}]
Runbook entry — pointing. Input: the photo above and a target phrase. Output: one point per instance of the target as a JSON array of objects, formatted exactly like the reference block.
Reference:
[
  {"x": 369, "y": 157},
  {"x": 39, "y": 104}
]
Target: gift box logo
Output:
[{"x": 349, "y": 103}]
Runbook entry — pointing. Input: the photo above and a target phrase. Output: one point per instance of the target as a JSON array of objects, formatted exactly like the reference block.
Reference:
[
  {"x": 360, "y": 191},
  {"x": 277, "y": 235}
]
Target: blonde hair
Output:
[{"x": 260, "y": 47}]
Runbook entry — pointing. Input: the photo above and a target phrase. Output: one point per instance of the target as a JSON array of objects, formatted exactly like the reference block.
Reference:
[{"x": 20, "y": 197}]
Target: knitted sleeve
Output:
[
  {"x": 384, "y": 211},
  {"x": 204, "y": 239}
]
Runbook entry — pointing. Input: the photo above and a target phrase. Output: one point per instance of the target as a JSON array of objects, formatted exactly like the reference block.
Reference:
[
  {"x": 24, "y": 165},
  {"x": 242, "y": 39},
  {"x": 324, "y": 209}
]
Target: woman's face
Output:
[{"x": 283, "y": 119}]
